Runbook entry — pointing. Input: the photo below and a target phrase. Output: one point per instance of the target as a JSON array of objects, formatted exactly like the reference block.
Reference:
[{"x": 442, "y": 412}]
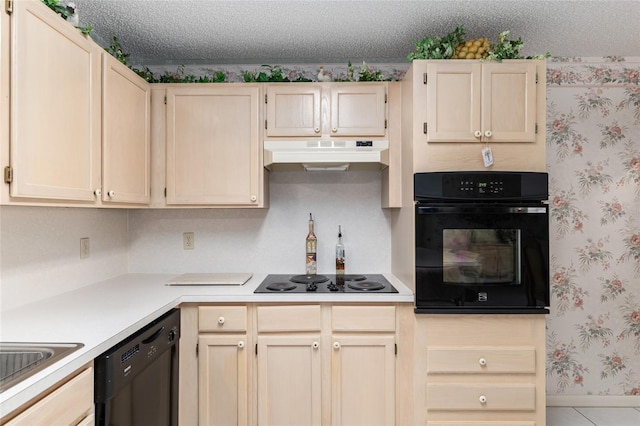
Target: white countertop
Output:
[{"x": 103, "y": 314}]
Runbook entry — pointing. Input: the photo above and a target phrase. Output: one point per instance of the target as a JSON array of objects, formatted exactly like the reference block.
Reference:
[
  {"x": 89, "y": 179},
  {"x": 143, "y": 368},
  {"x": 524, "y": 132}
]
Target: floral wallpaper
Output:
[{"x": 593, "y": 159}]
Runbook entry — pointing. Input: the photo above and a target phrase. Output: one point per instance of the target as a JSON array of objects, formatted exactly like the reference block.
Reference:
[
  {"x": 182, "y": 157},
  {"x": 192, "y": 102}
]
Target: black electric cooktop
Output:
[{"x": 348, "y": 283}]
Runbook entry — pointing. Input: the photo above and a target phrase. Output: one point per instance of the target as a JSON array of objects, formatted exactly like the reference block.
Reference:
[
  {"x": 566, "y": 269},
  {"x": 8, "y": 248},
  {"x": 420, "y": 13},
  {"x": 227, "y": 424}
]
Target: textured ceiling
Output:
[{"x": 303, "y": 31}]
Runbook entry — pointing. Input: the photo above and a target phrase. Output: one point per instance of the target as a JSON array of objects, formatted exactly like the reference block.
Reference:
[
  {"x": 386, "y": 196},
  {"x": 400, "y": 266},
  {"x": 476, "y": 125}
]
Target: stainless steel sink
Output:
[{"x": 21, "y": 360}]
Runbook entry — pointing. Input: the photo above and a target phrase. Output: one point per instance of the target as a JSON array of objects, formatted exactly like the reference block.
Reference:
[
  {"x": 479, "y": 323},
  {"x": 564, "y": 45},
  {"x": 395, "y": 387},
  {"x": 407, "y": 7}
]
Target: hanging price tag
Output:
[{"x": 487, "y": 156}]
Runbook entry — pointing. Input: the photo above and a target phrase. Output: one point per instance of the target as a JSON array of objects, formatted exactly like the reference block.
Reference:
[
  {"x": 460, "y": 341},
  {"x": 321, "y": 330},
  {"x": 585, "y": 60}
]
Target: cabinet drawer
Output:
[
  {"x": 480, "y": 397},
  {"x": 289, "y": 318},
  {"x": 481, "y": 360},
  {"x": 67, "y": 405},
  {"x": 363, "y": 318},
  {"x": 222, "y": 318}
]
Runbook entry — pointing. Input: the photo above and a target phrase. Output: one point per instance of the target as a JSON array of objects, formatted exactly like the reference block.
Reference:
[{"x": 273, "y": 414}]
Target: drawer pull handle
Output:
[
  {"x": 336, "y": 345},
  {"x": 240, "y": 344},
  {"x": 315, "y": 345},
  {"x": 482, "y": 362},
  {"x": 221, "y": 320},
  {"x": 482, "y": 399}
]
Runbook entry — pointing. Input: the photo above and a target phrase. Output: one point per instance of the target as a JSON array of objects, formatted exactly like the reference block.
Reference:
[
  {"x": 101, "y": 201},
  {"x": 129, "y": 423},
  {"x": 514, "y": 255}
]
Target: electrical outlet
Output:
[
  {"x": 188, "y": 241},
  {"x": 84, "y": 248}
]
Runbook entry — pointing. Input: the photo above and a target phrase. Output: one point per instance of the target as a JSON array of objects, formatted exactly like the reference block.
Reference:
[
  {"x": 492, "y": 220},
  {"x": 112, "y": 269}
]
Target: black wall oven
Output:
[{"x": 481, "y": 242}]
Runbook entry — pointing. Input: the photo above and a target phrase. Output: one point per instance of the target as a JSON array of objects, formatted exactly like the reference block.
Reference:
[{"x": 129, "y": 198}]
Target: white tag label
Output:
[{"x": 487, "y": 156}]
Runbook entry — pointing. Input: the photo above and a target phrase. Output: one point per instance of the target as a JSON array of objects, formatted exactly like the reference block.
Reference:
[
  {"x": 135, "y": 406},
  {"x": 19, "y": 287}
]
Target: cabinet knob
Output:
[
  {"x": 487, "y": 133},
  {"x": 482, "y": 361},
  {"x": 335, "y": 129},
  {"x": 98, "y": 192},
  {"x": 315, "y": 345},
  {"x": 221, "y": 320},
  {"x": 336, "y": 345},
  {"x": 111, "y": 193},
  {"x": 240, "y": 344},
  {"x": 254, "y": 198},
  {"x": 478, "y": 134},
  {"x": 316, "y": 129},
  {"x": 482, "y": 399}
]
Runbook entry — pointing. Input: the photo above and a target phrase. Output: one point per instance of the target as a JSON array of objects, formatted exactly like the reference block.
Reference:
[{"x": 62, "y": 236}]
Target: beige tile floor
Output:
[{"x": 590, "y": 416}]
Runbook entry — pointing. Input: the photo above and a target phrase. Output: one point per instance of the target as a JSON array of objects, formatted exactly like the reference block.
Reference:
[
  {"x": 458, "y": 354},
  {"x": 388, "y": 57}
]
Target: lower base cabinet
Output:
[
  {"x": 293, "y": 364},
  {"x": 71, "y": 403},
  {"x": 482, "y": 369}
]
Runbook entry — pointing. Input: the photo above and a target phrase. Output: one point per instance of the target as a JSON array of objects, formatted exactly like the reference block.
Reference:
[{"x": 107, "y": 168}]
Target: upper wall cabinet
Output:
[
  {"x": 470, "y": 101},
  {"x": 214, "y": 154},
  {"x": 125, "y": 134},
  {"x": 54, "y": 109},
  {"x": 325, "y": 110}
]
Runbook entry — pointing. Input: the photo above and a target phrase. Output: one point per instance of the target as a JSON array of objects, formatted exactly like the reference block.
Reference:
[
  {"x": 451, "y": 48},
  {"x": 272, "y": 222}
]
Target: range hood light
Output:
[{"x": 325, "y": 167}]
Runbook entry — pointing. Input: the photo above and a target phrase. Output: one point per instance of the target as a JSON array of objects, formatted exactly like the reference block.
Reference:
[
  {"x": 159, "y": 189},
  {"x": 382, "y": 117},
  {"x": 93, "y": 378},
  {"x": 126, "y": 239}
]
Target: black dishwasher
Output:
[{"x": 136, "y": 381}]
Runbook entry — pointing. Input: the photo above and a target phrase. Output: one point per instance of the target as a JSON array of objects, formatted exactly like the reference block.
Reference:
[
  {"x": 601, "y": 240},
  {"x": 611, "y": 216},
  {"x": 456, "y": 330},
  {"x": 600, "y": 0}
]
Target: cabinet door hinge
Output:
[
  {"x": 536, "y": 78},
  {"x": 165, "y": 99},
  {"x": 424, "y": 128},
  {"x": 385, "y": 123},
  {"x": 385, "y": 98},
  {"x": 424, "y": 78},
  {"x": 8, "y": 174},
  {"x": 265, "y": 98},
  {"x": 256, "y": 349},
  {"x": 536, "y": 128},
  {"x": 8, "y": 6},
  {"x": 396, "y": 348},
  {"x": 165, "y": 192},
  {"x": 197, "y": 349},
  {"x": 265, "y": 124}
]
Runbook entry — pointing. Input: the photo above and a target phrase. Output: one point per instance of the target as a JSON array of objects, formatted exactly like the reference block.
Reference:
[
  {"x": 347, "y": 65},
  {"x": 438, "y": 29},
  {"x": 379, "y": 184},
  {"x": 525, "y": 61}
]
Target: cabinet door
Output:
[
  {"x": 358, "y": 109},
  {"x": 363, "y": 380},
  {"x": 453, "y": 101},
  {"x": 55, "y": 107},
  {"x": 126, "y": 102},
  {"x": 66, "y": 405},
  {"x": 293, "y": 110},
  {"x": 222, "y": 380},
  {"x": 213, "y": 150},
  {"x": 289, "y": 380},
  {"x": 509, "y": 101}
]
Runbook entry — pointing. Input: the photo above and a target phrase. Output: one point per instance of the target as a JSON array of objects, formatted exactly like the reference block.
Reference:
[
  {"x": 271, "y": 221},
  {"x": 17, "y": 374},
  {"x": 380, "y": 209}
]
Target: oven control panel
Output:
[{"x": 480, "y": 185}]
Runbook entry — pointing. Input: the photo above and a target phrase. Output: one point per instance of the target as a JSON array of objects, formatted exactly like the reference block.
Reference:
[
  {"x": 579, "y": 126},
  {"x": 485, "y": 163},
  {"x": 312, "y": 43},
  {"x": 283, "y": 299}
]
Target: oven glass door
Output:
[{"x": 482, "y": 255}]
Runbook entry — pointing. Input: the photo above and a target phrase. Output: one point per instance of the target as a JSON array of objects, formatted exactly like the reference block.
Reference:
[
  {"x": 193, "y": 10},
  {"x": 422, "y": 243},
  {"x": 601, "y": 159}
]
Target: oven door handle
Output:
[{"x": 482, "y": 210}]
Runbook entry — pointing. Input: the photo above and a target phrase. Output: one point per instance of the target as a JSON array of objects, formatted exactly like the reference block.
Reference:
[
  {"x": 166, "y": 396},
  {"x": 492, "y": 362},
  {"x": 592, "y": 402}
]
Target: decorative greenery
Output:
[
  {"x": 64, "y": 13},
  {"x": 437, "y": 47},
  {"x": 509, "y": 49},
  {"x": 367, "y": 74}
]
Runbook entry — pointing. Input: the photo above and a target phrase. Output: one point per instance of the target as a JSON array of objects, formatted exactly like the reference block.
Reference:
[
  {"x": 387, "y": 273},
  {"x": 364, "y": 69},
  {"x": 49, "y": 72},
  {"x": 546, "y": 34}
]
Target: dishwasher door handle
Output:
[{"x": 154, "y": 336}]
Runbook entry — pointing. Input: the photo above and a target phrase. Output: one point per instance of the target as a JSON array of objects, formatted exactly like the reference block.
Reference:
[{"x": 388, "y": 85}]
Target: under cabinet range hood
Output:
[{"x": 326, "y": 155}]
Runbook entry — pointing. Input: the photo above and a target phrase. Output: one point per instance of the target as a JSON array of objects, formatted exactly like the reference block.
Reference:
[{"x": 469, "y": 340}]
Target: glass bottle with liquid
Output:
[
  {"x": 340, "y": 253},
  {"x": 312, "y": 245}
]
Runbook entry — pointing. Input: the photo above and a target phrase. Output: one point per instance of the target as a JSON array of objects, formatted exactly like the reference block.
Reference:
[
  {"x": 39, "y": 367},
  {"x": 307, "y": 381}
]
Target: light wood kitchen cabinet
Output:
[
  {"x": 482, "y": 368},
  {"x": 453, "y": 109},
  {"x": 289, "y": 365},
  {"x": 55, "y": 111},
  {"x": 339, "y": 362},
  {"x": 363, "y": 365},
  {"x": 473, "y": 101},
  {"x": 223, "y": 390},
  {"x": 71, "y": 403},
  {"x": 213, "y": 149},
  {"x": 326, "y": 110},
  {"x": 126, "y": 103}
]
